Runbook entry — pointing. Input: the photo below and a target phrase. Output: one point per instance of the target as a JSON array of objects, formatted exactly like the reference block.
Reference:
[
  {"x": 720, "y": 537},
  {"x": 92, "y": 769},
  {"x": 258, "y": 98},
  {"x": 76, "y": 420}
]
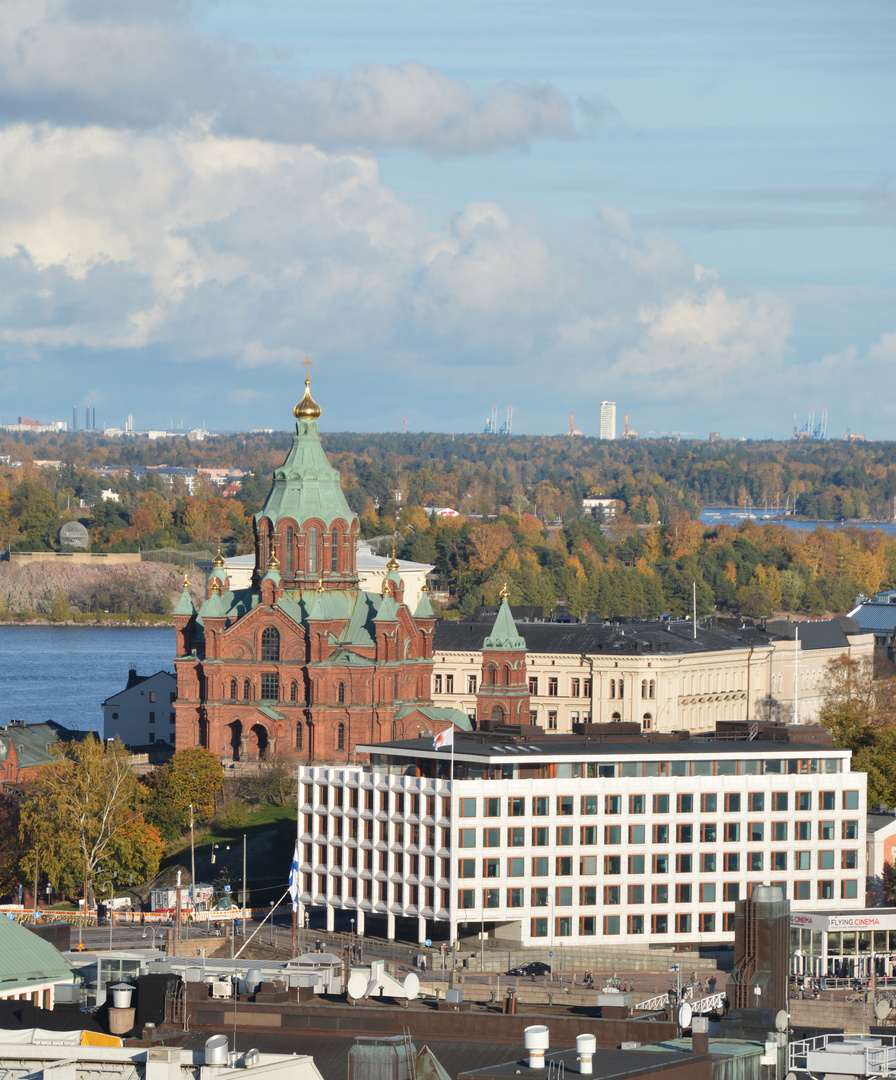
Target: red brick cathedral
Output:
[{"x": 304, "y": 663}]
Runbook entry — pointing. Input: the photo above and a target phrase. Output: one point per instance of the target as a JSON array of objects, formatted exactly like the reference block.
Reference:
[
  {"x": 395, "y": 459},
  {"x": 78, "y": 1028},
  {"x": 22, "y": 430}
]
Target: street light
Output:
[
  {"x": 152, "y": 927},
  {"x": 110, "y": 888}
]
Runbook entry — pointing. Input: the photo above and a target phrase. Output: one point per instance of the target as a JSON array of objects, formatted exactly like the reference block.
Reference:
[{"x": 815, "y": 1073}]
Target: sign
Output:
[
  {"x": 427, "y": 943},
  {"x": 551, "y": 953}
]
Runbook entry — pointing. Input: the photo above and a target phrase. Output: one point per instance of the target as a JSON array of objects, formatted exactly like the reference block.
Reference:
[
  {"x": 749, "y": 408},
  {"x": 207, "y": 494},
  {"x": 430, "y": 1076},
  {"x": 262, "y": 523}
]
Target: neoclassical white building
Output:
[
  {"x": 582, "y": 841},
  {"x": 661, "y": 674}
]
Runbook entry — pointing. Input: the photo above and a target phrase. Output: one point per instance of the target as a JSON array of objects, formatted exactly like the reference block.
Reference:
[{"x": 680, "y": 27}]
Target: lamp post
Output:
[
  {"x": 152, "y": 927},
  {"x": 110, "y": 888},
  {"x": 272, "y": 923},
  {"x": 353, "y": 939}
]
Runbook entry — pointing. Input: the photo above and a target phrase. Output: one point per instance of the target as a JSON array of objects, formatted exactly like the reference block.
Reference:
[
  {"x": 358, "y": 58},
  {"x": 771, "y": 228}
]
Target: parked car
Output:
[{"x": 534, "y": 967}]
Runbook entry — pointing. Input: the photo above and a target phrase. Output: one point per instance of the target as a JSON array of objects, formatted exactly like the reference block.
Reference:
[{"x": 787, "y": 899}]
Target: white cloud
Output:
[{"x": 119, "y": 67}]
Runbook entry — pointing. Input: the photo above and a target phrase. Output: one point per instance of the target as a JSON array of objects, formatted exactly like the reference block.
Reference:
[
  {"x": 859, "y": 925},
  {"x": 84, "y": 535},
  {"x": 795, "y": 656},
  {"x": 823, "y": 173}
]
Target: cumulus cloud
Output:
[{"x": 120, "y": 68}]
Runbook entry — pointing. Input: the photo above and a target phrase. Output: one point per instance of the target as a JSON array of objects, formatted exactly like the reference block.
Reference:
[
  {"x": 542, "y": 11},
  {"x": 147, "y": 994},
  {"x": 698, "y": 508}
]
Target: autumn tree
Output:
[
  {"x": 191, "y": 777},
  {"x": 82, "y": 807},
  {"x": 11, "y": 846}
]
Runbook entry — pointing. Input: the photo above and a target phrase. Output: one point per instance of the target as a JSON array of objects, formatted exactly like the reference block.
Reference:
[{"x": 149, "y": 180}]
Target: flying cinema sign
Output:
[{"x": 845, "y": 922}]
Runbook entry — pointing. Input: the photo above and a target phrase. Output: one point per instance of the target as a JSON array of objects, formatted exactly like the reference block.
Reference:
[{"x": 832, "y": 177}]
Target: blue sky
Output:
[{"x": 688, "y": 209}]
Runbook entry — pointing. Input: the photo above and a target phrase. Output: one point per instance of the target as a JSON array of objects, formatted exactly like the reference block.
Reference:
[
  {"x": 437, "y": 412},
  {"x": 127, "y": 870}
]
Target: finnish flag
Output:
[{"x": 294, "y": 879}]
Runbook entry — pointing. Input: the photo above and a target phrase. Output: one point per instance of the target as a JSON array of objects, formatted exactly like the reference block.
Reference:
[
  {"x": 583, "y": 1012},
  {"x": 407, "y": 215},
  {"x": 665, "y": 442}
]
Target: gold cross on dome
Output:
[{"x": 307, "y": 364}]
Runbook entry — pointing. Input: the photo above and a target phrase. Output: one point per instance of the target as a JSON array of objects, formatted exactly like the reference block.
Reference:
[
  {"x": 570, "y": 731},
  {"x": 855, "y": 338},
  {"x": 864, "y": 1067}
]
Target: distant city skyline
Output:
[{"x": 688, "y": 211}]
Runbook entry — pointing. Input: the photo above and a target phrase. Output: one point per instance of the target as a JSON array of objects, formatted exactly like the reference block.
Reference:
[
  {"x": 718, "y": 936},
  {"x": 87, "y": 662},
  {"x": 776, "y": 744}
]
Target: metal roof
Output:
[{"x": 27, "y": 960}]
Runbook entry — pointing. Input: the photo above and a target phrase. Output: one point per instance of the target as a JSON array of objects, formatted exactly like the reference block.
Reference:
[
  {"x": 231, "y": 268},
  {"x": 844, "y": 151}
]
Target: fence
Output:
[{"x": 176, "y": 555}]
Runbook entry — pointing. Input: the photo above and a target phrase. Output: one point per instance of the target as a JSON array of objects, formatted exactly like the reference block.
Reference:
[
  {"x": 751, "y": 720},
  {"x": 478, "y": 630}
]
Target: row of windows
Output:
[
  {"x": 270, "y": 689},
  {"x": 730, "y": 862},
  {"x": 358, "y": 889},
  {"x": 732, "y": 803},
  {"x": 315, "y": 553},
  {"x": 364, "y": 799},
  {"x": 152, "y": 719},
  {"x": 659, "y": 895}
]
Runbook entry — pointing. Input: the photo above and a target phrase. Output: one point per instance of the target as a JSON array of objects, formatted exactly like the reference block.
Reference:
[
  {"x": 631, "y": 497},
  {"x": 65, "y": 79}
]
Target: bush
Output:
[{"x": 235, "y": 815}]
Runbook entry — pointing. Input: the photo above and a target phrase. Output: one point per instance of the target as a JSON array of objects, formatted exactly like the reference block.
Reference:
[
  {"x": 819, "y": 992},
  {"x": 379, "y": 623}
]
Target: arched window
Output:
[
  {"x": 298, "y": 736},
  {"x": 615, "y": 717},
  {"x": 233, "y": 689},
  {"x": 270, "y": 644},
  {"x": 652, "y": 689},
  {"x": 647, "y": 722},
  {"x": 293, "y": 691},
  {"x": 643, "y": 688},
  {"x": 340, "y": 693},
  {"x": 334, "y": 551},
  {"x": 612, "y": 688},
  {"x": 312, "y": 551},
  {"x": 492, "y": 674},
  {"x": 497, "y": 713},
  {"x": 505, "y": 675},
  {"x": 340, "y": 737},
  {"x": 247, "y": 690},
  {"x": 621, "y": 688},
  {"x": 288, "y": 553}
]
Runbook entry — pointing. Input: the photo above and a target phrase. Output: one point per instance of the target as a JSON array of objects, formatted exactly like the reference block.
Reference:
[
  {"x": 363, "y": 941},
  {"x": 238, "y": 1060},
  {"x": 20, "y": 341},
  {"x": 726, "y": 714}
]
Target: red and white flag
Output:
[{"x": 444, "y": 739}]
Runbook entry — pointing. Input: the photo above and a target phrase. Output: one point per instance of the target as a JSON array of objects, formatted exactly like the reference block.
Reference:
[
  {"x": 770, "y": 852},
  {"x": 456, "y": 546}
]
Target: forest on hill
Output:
[{"x": 520, "y": 517}]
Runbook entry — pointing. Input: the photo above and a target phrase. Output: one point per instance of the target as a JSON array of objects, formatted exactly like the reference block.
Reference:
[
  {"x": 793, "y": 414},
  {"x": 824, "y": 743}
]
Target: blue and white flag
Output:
[{"x": 294, "y": 879}]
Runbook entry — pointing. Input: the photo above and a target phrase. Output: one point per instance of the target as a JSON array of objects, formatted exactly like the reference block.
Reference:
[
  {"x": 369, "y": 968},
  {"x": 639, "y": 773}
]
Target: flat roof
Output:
[{"x": 571, "y": 746}]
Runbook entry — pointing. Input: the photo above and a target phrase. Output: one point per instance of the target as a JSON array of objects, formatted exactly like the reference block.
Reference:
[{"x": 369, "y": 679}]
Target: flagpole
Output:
[{"x": 295, "y": 899}]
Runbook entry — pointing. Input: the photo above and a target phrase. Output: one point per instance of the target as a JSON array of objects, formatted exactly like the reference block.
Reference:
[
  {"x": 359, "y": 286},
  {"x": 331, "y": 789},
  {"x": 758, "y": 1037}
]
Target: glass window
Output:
[
  {"x": 779, "y": 831},
  {"x": 541, "y": 836},
  {"x": 779, "y": 860},
  {"x": 516, "y": 837},
  {"x": 803, "y": 860},
  {"x": 802, "y": 890},
  {"x": 684, "y": 863},
  {"x": 466, "y": 899},
  {"x": 708, "y": 862},
  {"x": 683, "y": 893},
  {"x": 563, "y": 896},
  {"x": 683, "y": 923},
  {"x": 636, "y": 894},
  {"x": 757, "y": 802},
  {"x": 565, "y": 805},
  {"x": 270, "y": 645},
  {"x": 636, "y": 864},
  {"x": 661, "y": 804},
  {"x": 825, "y": 860},
  {"x": 466, "y": 868},
  {"x": 659, "y": 894},
  {"x": 611, "y": 925},
  {"x": 515, "y": 897},
  {"x": 802, "y": 830},
  {"x": 588, "y": 895},
  {"x": 516, "y": 866},
  {"x": 613, "y": 804},
  {"x": 685, "y": 834},
  {"x": 659, "y": 924},
  {"x": 539, "y": 927},
  {"x": 828, "y": 800},
  {"x": 467, "y": 807},
  {"x": 612, "y": 864},
  {"x": 637, "y": 804},
  {"x": 491, "y": 868},
  {"x": 491, "y": 837},
  {"x": 731, "y": 862},
  {"x": 732, "y": 802},
  {"x": 804, "y": 800},
  {"x": 636, "y": 834},
  {"x": 612, "y": 895},
  {"x": 563, "y": 865},
  {"x": 540, "y": 897},
  {"x": 492, "y": 807},
  {"x": 588, "y": 865},
  {"x": 270, "y": 686},
  {"x": 589, "y": 804},
  {"x": 661, "y": 834},
  {"x": 826, "y": 830},
  {"x": 779, "y": 801},
  {"x": 732, "y": 832},
  {"x": 467, "y": 837},
  {"x": 755, "y": 860},
  {"x": 589, "y": 834},
  {"x": 540, "y": 806},
  {"x": 730, "y": 891},
  {"x": 825, "y": 890},
  {"x": 686, "y": 803},
  {"x": 707, "y": 892},
  {"x": 661, "y": 864},
  {"x": 564, "y": 835},
  {"x": 849, "y": 890},
  {"x": 587, "y": 926},
  {"x": 636, "y": 924},
  {"x": 850, "y": 830},
  {"x": 540, "y": 866},
  {"x": 708, "y": 803},
  {"x": 708, "y": 833},
  {"x": 612, "y": 834},
  {"x": 850, "y": 800},
  {"x": 755, "y": 832}
]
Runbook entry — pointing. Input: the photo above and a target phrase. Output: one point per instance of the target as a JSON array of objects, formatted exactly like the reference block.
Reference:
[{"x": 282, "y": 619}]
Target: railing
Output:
[
  {"x": 709, "y": 1003},
  {"x": 879, "y": 1060}
]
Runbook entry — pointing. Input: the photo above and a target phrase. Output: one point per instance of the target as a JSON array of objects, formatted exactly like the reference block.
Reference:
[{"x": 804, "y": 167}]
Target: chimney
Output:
[
  {"x": 700, "y": 1035},
  {"x": 536, "y": 1041},
  {"x": 585, "y": 1047}
]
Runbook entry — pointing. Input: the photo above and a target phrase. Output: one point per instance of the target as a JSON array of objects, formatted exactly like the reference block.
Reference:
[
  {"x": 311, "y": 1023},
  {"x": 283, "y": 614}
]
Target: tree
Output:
[
  {"x": 192, "y": 777},
  {"x": 274, "y": 782},
  {"x": 11, "y": 847},
  {"x": 59, "y": 609},
  {"x": 80, "y": 805}
]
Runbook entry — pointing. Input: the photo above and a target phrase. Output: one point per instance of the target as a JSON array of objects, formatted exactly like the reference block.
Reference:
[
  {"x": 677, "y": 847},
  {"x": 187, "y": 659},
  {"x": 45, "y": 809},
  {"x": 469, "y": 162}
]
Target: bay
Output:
[
  {"x": 728, "y": 515},
  {"x": 65, "y": 673}
]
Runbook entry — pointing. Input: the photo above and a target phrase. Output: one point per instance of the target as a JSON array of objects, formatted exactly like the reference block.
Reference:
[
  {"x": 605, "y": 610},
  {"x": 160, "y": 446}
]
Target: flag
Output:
[
  {"x": 294, "y": 879},
  {"x": 444, "y": 739}
]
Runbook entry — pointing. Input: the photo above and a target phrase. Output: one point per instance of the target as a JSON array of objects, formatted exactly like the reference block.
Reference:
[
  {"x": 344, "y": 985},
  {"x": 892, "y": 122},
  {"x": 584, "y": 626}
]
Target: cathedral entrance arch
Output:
[
  {"x": 234, "y": 740},
  {"x": 498, "y": 714},
  {"x": 259, "y": 736}
]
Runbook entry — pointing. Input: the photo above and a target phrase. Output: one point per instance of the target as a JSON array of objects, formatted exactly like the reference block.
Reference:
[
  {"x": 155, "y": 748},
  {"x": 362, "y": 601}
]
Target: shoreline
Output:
[{"x": 131, "y": 624}]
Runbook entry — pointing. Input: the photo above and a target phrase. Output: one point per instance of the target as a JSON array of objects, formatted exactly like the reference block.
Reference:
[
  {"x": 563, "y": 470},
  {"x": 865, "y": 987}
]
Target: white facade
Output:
[
  {"x": 608, "y": 419},
  {"x": 684, "y": 688},
  {"x": 582, "y": 843},
  {"x": 143, "y": 712}
]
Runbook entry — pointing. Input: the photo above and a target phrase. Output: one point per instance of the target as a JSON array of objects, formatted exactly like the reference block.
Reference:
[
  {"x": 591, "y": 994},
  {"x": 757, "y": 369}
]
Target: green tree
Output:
[
  {"x": 11, "y": 847},
  {"x": 191, "y": 777},
  {"x": 79, "y": 806},
  {"x": 59, "y": 609}
]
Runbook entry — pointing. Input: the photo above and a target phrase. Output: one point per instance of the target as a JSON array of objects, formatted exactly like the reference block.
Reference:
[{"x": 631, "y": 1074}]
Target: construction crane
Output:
[
  {"x": 573, "y": 430},
  {"x": 401, "y": 420},
  {"x": 811, "y": 430},
  {"x": 628, "y": 433}
]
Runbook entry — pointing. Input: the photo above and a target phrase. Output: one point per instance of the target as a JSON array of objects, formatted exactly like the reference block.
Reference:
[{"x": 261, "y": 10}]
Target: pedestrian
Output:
[
  {"x": 423, "y": 963},
  {"x": 712, "y": 984}
]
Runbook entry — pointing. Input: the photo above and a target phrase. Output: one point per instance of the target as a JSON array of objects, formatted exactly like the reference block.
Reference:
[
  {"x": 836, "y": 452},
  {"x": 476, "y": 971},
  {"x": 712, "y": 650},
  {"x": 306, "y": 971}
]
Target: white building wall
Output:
[
  {"x": 451, "y": 860},
  {"x": 143, "y": 713}
]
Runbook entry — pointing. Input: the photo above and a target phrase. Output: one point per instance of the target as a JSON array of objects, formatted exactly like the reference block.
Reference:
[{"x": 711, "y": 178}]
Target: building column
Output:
[
  {"x": 359, "y": 922},
  {"x": 390, "y": 926},
  {"x": 331, "y": 918},
  {"x": 421, "y": 929}
]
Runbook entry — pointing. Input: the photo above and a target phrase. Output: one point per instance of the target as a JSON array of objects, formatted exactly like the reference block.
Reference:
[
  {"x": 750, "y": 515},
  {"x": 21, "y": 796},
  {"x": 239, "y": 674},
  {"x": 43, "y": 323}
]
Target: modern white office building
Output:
[
  {"x": 581, "y": 841},
  {"x": 608, "y": 419}
]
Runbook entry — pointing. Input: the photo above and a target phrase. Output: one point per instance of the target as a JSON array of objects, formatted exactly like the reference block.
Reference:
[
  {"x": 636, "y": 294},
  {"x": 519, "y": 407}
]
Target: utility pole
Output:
[{"x": 192, "y": 869}]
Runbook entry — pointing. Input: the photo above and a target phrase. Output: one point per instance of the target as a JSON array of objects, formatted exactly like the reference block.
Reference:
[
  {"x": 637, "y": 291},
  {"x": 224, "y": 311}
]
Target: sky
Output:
[{"x": 685, "y": 208}]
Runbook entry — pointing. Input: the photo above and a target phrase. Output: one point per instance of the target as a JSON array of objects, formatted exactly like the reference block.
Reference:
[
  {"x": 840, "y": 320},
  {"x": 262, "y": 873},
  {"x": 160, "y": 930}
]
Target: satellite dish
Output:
[
  {"x": 411, "y": 986},
  {"x": 685, "y": 1014},
  {"x": 791, "y": 1076},
  {"x": 882, "y": 1009},
  {"x": 781, "y": 1020},
  {"x": 357, "y": 984}
]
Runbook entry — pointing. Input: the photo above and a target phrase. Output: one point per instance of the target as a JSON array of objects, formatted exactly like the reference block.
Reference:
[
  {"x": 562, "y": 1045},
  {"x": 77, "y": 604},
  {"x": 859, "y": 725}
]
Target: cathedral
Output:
[{"x": 301, "y": 661}]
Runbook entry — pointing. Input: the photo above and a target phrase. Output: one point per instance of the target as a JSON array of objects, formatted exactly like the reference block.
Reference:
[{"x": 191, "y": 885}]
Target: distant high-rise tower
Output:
[
  {"x": 608, "y": 419},
  {"x": 74, "y": 417}
]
